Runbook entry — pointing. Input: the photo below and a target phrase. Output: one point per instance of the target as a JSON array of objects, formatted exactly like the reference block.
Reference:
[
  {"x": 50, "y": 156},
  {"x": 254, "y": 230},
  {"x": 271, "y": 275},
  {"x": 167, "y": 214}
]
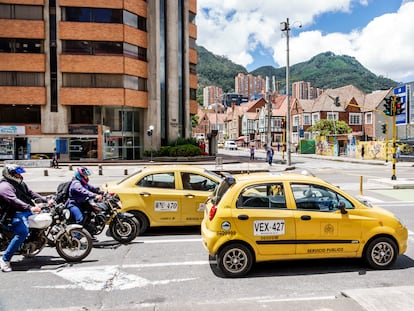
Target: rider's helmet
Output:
[
  {"x": 12, "y": 172},
  {"x": 82, "y": 174}
]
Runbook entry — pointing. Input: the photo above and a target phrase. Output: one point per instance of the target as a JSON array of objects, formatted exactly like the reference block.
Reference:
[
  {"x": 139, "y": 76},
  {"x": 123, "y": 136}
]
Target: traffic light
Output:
[
  {"x": 384, "y": 128},
  {"x": 388, "y": 106},
  {"x": 399, "y": 109}
]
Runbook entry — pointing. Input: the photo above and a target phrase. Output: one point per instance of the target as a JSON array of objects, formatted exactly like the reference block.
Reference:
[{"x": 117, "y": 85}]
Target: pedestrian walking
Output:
[
  {"x": 362, "y": 151},
  {"x": 398, "y": 154},
  {"x": 269, "y": 155},
  {"x": 252, "y": 153},
  {"x": 55, "y": 158}
]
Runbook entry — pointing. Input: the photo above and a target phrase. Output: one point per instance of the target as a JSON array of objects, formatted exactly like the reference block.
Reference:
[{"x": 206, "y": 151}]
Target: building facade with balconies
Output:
[{"x": 94, "y": 75}]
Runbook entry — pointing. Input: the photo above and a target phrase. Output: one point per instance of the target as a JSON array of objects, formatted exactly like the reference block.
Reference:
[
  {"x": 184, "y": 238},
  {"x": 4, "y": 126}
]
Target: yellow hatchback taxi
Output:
[
  {"x": 266, "y": 217},
  {"x": 166, "y": 195}
]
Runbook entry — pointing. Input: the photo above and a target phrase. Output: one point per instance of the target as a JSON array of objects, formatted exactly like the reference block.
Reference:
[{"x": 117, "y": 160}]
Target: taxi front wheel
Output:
[
  {"x": 235, "y": 260},
  {"x": 381, "y": 253}
]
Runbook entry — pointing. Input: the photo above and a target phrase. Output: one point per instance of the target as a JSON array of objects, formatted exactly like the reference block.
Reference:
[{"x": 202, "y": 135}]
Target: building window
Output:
[
  {"x": 135, "y": 83},
  {"x": 368, "y": 118},
  {"x": 306, "y": 119},
  {"x": 354, "y": 119},
  {"x": 102, "y": 15},
  {"x": 100, "y": 80},
  {"x": 332, "y": 116},
  {"x": 92, "y": 80},
  {"x": 91, "y": 47},
  {"x": 21, "y": 45},
  {"x": 134, "y": 51},
  {"x": 193, "y": 68},
  {"x": 192, "y": 43},
  {"x": 193, "y": 94},
  {"x": 18, "y": 78},
  {"x": 103, "y": 48},
  {"x": 315, "y": 117},
  {"x": 97, "y": 15},
  {"x": 24, "y": 12},
  {"x": 192, "y": 17}
]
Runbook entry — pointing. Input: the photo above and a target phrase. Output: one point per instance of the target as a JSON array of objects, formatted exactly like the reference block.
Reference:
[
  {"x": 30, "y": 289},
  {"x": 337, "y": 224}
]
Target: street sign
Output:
[{"x": 401, "y": 91}]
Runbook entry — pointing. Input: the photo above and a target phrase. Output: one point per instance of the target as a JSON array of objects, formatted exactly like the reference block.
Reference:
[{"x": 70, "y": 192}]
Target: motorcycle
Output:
[
  {"x": 50, "y": 228},
  {"x": 123, "y": 227}
]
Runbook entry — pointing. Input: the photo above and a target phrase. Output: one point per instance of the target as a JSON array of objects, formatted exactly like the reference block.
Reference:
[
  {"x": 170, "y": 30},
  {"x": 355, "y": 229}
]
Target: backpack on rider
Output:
[{"x": 62, "y": 192}]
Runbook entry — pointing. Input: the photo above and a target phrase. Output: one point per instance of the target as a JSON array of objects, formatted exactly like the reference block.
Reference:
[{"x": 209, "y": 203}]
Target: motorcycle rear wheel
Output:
[
  {"x": 74, "y": 246},
  {"x": 124, "y": 229}
]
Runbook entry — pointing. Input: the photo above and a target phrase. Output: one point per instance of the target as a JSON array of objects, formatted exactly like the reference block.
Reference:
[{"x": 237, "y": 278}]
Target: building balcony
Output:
[
  {"x": 23, "y": 62},
  {"x": 22, "y": 95},
  {"x": 103, "y": 97},
  {"x": 103, "y": 64},
  {"x": 13, "y": 28}
]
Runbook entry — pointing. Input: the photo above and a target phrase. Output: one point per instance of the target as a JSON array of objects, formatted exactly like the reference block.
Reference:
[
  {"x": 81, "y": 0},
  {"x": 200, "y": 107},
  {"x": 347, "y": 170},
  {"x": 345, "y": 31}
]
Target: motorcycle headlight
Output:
[{"x": 66, "y": 214}]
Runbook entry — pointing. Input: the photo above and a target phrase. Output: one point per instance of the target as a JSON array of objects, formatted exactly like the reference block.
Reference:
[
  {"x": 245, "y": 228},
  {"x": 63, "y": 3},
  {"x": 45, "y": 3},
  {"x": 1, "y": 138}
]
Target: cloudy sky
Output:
[{"x": 378, "y": 33}]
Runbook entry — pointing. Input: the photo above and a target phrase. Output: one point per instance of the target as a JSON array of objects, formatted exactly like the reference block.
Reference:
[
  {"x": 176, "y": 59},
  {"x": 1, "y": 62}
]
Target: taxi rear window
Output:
[{"x": 222, "y": 188}]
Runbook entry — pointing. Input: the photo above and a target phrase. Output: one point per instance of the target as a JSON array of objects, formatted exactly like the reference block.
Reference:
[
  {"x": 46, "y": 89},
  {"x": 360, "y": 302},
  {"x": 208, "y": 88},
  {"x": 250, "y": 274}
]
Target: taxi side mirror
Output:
[{"x": 341, "y": 206}]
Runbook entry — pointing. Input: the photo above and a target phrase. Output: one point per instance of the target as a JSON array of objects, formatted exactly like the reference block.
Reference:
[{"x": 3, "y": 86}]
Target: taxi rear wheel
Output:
[
  {"x": 235, "y": 260},
  {"x": 381, "y": 253}
]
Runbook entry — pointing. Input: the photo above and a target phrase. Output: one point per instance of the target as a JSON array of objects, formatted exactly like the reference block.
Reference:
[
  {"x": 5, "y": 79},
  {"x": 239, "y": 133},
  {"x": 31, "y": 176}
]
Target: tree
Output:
[{"x": 330, "y": 127}]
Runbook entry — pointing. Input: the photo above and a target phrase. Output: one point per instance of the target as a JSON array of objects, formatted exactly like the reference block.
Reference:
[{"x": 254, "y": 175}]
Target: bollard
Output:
[
  {"x": 360, "y": 185},
  {"x": 125, "y": 171},
  {"x": 46, "y": 172},
  {"x": 100, "y": 169},
  {"x": 70, "y": 167}
]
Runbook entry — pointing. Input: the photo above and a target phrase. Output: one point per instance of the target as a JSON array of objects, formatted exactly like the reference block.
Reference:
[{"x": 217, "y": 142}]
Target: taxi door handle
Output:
[
  {"x": 145, "y": 194},
  {"x": 305, "y": 217},
  {"x": 189, "y": 195},
  {"x": 243, "y": 217}
]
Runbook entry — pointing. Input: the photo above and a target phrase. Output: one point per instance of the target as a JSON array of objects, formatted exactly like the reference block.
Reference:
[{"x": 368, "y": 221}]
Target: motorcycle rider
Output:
[
  {"x": 80, "y": 192},
  {"x": 18, "y": 198}
]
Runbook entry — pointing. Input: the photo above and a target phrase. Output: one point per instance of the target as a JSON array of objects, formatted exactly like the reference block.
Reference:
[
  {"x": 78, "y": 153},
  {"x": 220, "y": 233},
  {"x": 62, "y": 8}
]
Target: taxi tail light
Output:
[{"x": 212, "y": 213}]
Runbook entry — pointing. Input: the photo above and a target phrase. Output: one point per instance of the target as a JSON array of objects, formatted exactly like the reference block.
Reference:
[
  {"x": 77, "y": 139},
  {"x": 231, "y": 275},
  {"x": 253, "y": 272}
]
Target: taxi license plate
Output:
[
  {"x": 268, "y": 227},
  {"x": 166, "y": 206}
]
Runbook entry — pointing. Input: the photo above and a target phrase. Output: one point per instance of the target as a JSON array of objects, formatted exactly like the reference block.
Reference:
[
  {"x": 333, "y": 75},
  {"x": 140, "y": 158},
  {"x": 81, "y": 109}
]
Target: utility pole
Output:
[{"x": 284, "y": 26}]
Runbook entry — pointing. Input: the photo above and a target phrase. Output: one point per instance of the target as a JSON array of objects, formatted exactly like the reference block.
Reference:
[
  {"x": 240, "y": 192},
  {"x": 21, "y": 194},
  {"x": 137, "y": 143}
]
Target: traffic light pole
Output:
[{"x": 394, "y": 137}]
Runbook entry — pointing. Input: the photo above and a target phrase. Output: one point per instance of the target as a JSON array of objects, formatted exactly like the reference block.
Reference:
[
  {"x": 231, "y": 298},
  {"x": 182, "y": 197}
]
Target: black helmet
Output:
[{"x": 13, "y": 172}]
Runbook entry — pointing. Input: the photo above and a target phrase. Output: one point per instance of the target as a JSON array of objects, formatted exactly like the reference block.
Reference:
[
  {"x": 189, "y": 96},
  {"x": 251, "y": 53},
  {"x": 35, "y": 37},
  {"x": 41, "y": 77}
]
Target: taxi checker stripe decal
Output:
[{"x": 307, "y": 242}]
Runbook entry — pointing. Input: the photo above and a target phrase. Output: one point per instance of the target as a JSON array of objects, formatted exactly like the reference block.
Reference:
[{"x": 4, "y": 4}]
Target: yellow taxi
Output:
[
  {"x": 265, "y": 217},
  {"x": 166, "y": 195}
]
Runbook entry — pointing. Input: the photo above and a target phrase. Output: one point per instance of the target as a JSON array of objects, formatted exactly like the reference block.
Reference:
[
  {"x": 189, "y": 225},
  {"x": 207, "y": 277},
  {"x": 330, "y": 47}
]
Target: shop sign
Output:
[
  {"x": 12, "y": 130},
  {"x": 83, "y": 129}
]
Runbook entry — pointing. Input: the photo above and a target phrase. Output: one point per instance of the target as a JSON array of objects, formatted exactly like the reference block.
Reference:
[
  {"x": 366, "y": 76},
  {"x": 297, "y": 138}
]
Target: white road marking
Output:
[
  {"x": 105, "y": 278},
  {"x": 168, "y": 241}
]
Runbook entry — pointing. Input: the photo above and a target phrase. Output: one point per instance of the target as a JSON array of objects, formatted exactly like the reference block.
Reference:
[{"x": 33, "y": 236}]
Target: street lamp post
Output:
[{"x": 285, "y": 27}]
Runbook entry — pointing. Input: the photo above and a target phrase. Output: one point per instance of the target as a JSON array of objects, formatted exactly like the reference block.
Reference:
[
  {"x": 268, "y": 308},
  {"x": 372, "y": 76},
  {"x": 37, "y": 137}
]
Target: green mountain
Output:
[{"x": 325, "y": 70}]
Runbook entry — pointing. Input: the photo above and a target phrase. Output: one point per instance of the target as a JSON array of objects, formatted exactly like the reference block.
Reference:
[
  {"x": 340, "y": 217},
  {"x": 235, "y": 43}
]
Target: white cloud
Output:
[{"x": 234, "y": 29}]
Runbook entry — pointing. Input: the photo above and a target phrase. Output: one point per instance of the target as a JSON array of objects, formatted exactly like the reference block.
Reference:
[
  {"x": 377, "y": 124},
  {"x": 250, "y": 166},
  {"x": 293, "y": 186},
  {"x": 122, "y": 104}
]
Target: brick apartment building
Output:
[{"x": 89, "y": 77}]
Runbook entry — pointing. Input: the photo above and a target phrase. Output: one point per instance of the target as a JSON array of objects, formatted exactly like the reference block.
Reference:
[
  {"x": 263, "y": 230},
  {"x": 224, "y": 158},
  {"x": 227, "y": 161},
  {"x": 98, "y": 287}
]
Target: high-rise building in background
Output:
[
  {"x": 304, "y": 90},
  {"x": 212, "y": 95},
  {"x": 91, "y": 77},
  {"x": 249, "y": 85}
]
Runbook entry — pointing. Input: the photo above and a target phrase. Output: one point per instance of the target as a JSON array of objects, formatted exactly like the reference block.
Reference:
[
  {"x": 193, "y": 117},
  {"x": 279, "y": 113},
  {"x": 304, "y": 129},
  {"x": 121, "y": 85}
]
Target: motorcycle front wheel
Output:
[
  {"x": 75, "y": 245},
  {"x": 124, "y": 229}
]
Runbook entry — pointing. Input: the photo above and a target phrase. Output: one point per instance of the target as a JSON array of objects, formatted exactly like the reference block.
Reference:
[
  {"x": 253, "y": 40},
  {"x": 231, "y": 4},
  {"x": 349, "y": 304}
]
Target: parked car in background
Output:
[
  {"x": 265, "y": 217},
  {"x": 166, "y": 195},
  {"x": 230, "y": 145}
]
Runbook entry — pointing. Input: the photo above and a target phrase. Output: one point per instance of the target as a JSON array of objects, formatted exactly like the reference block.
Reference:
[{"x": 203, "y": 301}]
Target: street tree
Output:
[{"x": 330, "y": 127}]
